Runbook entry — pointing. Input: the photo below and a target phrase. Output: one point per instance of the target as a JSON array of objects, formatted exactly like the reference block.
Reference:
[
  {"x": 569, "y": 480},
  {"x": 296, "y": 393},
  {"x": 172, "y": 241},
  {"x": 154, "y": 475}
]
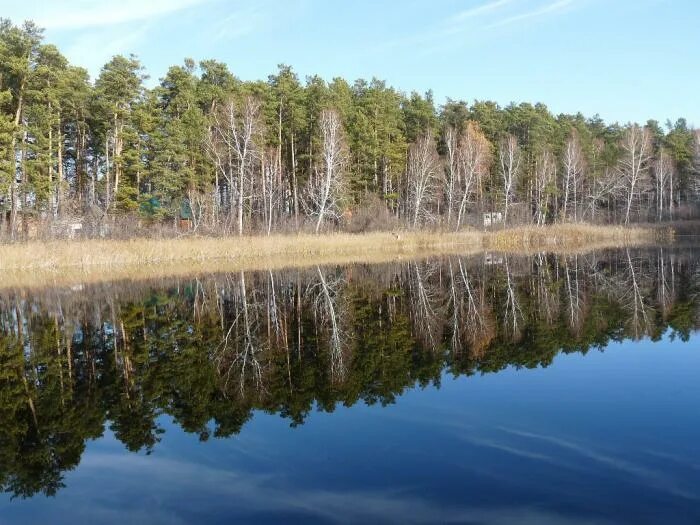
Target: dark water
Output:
[{"x": 494, "y": 389}]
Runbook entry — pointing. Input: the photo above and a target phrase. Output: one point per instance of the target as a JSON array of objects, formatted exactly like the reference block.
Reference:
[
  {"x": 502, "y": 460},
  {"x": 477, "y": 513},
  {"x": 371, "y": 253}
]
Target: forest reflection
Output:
[{"x": 210, "y": 351}]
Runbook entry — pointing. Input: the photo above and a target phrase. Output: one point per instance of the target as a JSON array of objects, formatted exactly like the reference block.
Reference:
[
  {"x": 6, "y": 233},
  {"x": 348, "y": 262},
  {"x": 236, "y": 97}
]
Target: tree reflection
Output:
[{"x": 209, "y": 352}]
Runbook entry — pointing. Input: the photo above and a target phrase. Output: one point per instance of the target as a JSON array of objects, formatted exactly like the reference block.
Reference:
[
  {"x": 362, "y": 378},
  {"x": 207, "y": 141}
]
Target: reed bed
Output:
[
  {"x": 570, "y": 237},
  {"x": 66, "y": 263},
  {"x": 262, "y": 249}
]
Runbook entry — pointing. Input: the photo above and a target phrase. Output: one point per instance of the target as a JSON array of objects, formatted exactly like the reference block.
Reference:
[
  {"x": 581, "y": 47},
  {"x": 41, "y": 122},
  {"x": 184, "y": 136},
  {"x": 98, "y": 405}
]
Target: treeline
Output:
[
  {"x": 212, "y": 352},
  {"x": 219, "y": 154}
]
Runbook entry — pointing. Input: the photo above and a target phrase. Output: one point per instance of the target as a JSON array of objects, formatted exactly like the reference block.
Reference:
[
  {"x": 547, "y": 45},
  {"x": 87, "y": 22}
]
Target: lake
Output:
[{"x": 484, "y": 389}]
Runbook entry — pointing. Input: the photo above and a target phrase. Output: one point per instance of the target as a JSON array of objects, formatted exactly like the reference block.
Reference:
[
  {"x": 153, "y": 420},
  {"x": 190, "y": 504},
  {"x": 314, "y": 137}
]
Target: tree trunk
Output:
[{"x": 59, "y": 160}]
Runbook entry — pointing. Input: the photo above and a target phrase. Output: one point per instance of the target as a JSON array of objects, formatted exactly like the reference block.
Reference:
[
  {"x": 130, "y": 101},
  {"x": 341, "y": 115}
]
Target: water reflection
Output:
[{"x": 210, "y": 352}]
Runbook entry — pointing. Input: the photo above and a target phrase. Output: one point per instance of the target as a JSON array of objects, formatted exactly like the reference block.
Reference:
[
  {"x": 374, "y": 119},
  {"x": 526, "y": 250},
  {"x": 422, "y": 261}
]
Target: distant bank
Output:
[{"x": 67, "y": 263}]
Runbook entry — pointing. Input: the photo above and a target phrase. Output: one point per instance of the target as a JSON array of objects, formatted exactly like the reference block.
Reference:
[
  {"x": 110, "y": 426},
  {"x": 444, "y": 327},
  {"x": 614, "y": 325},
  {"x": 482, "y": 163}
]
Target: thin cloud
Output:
[
  {"x": 544, "y": 10},
  {"x": 659, "y": 480},
  {"x": 497, "y": 12},
  {"x": 253, "y": 492},
  {"x": 242, "y": 22},
  {"x": 451, "y": 26},
  {"x": 107, "y": 13},
  {"x": 91, "y": 49},
  {"x": 479, "y": 10}
]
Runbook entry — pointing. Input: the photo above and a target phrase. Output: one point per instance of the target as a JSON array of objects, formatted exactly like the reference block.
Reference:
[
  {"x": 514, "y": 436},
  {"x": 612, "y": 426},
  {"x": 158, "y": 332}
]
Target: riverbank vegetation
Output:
[
  {"x": 41, "y": 264},
  {"x": 203, "y": 151}
]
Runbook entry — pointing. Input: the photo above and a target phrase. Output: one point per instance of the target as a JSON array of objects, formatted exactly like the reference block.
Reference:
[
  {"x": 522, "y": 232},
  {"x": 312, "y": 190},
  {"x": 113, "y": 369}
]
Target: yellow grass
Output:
[
  {"x": 40, "y": 264},
  {"x": 570, "y": 237}
]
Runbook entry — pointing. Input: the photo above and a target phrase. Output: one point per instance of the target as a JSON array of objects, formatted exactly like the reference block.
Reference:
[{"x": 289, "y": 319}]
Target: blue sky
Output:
[{"x": 624, "y": 59}]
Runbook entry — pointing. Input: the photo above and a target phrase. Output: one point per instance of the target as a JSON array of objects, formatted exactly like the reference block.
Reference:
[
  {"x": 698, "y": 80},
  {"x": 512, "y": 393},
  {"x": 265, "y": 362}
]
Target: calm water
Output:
[{"x": 489, "y": 389}]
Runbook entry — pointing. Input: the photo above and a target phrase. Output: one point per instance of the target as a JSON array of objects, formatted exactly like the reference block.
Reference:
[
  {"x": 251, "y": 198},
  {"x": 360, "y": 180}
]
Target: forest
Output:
[
  {"x": 205, "y": 151},
  {"x": 210, "y": 352}
]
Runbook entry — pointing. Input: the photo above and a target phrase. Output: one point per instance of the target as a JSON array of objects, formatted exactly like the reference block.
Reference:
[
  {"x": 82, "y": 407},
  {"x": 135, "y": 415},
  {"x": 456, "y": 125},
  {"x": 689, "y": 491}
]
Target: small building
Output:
[
  {"x": 491, "y": 259},
  {"x": 74, "y": 229},
  {"x": 491, "y": 218}
]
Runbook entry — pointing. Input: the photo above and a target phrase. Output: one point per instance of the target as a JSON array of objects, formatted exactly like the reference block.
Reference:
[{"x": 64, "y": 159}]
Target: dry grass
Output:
[
  {"x": 63, "y": 263},
  {"x": 258, "y": 249},
  {"x": 569, "y": 237}
]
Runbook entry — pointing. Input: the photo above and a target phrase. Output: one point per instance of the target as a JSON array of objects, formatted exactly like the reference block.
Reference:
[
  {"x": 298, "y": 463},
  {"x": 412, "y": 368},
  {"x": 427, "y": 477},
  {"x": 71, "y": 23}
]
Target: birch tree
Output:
[
  {"x": 239, "y": 354},
  {"x": 452, "y": 170},
  {"x": 326, "y": 187},
  {"x": 233, "y": 147},
  {"x": 468, "y": 323},
  {"x": 664, "y": 175},
  {"x": 606, "y": 187},
  {"x": 473, "y": 162},
  {"x": 633, "y": 166},
  {"x": 423, "y": 303},
  {"x": 271, "y": 188},
  {"x": 509, "y": 160},
  {"x": 545, "y": 177},
  {"x": 572, "y": 175},
  {"x": 330, "y": 309},
  {"x": 422, "y": 178},
  {"x": 512, "y": 313}
]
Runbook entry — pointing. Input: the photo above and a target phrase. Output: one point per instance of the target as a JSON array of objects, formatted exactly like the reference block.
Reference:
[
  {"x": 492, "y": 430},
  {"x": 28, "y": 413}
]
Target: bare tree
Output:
[
  {"x": 625, "y": 287},
  {"x": 240, "y": 351},
  {"x": 574, "y": 294},
  {"x": 422, "y": 179},
  {"x": 663, "y": 173},
  {"x": 325, "y": 188},
  {"x": 453, "y": 175},
  {"x": 198, "y": 203},
  {"x": 469, "y": 323},
  {"x": 603, "y": 188},
  {"x": 331, "y": 314},
  {"x": 573, "y": 168},
  {"x": 634, "y": 164},
  {"x": 509, "y": 157},
  {"x": 545, "y": 177},
  {"x": 455, "y": 305},
  {"x": 665, "y": 289},
  {"x": 547, "y": 295},
  {"x": 513, "y": 314},
  {"x": 271, "y": 187},
  {"x": 423, "y": 299},
  {"x": 641, "y": 318},
  {"x": 473, "y": 161},
  {"x": 233, "y": 147}
]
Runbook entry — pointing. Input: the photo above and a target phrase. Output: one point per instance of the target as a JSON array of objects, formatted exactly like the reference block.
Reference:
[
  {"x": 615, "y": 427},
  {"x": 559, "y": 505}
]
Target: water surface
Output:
[{"x": 489, "y": 389}]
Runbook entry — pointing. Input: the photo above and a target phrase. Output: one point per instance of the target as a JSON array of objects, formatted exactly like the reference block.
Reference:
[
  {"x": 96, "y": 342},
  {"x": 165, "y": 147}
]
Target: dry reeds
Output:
[
  {"x": 258, "y": 249},
  {"x": 567, "y": 237},
  {"x": 37, "y": 264}
]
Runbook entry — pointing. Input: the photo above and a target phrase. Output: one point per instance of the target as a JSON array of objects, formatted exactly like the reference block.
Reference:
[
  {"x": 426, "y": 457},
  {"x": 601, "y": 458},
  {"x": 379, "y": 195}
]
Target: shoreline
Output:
[{"x": 64, "y": 263}]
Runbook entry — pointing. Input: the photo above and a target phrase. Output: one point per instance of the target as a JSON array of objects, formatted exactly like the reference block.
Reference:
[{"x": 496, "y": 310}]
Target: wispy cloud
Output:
[
  {"x": 540, "y": 11},
  {"x": 656, "y": 479},
  {"x": 243, "y": 21},
  {"x": 91, "y": 49},
  {"x": 245, "y": 492},
  {"x": 474, "y": 23},
  {"x": 84, "y": 14},
  {"x": 464, "y": 20},
  {"x": 479, "y": 10}
]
